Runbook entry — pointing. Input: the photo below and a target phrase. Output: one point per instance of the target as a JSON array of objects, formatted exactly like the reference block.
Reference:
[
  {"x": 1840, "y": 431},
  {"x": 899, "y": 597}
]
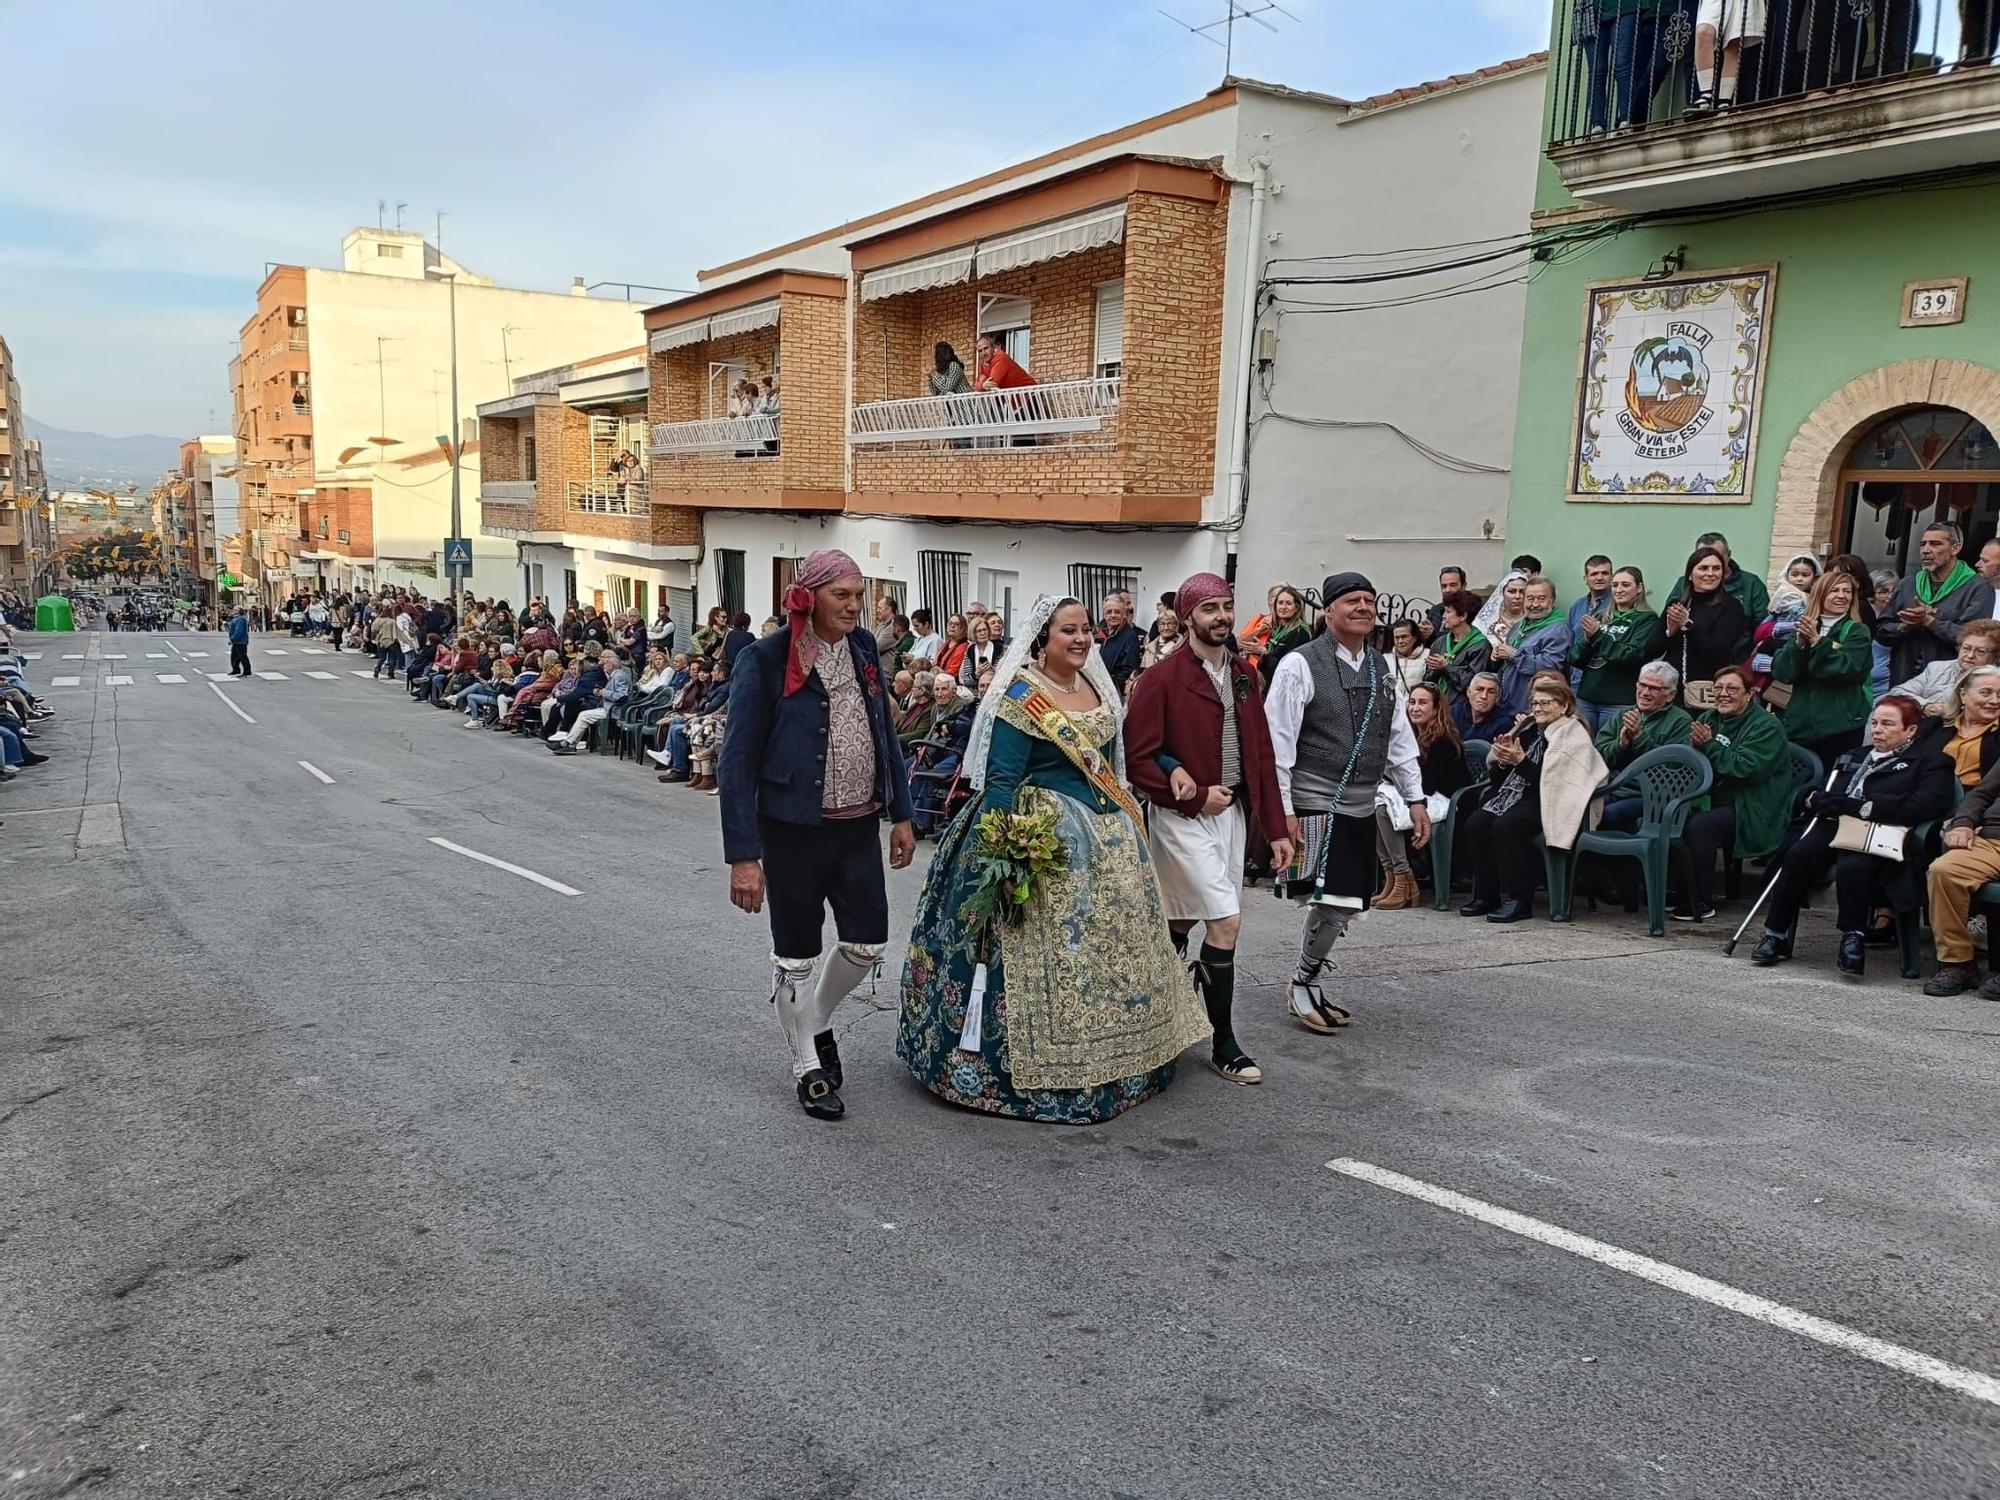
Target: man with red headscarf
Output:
[
  {"x": 810, "y": 764},
  {"x": 1198, "y": 749}
]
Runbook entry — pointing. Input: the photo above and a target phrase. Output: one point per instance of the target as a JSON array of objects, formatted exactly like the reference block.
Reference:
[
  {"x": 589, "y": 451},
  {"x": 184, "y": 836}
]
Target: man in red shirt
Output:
[{"x": 997, "y": 371}]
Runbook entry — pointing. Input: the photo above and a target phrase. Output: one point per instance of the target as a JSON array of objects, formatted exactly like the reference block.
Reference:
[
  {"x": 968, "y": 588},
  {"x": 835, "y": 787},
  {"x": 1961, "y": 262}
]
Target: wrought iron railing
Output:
[
  {"x": 610, "y": 497},
  {"x": 1070, "y": 408},
  {"x": 747, "y": 437},
  {"x": 1638, "y": 68}
]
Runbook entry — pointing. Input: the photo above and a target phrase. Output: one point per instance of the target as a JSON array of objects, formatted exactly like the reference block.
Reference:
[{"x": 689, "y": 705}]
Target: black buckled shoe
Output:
[
  {"x": 829, "y": 1059},
  {"x": 1772, "y": 948},
  {"x": 1477, "y": 907},
  {"x": 1512, "y": 910},
  {"x": 1853, "y": 958},
  {"x": 818, "y": 1097}
]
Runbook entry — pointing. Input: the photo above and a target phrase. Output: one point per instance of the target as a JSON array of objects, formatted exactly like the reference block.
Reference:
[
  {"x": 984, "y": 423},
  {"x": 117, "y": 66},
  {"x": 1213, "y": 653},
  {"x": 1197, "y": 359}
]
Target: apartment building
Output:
[
  {"x": 343, "y": 409},
  {"x": 1767, "y": 319},
  {"x": 209, "y": 470},
  {"x": 1197, "y": 403},
  {"x": 27, "y": 523}
]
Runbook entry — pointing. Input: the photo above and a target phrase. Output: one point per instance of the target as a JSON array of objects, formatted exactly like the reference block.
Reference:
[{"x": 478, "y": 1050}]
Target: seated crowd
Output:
[
  {"x": 20, "y": 710},
  {"x": 1841, "y": 713}
]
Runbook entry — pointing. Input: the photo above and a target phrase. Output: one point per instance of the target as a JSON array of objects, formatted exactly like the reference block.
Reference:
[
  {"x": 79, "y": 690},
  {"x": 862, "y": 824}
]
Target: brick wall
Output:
[{"x": 1163, "y": 439}]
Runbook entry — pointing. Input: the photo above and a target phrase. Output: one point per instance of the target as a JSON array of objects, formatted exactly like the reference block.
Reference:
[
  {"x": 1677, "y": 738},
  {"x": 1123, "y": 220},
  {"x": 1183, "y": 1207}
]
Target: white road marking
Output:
[
  {"x": 1973, "y": 1383},
  {"x": 217, "y": 676},
  {"x": 64, "y": 681},
  {"x": 324, "y": 676},
  {"x": 156, "y": 656},
  {"x": 500, "y": 864},
  {"x": 114, "y": 656},
  {"x": 274, "y": 676},
  {"x": 117, "y": 681},
  {"x": 276, "y": 651},
  {"x": 31, "y": 656},
  {"x": 192, "y": 654},
  {"x": 361, "y": 674},
  {"x": 314, "y": 650},
  {"x": 73, "y": 656},
  {"x": 176, "y": 650},
  {"x": 170, "y": 677},
  {"x": 316, "y": 771},
  {"x": 232, "y": 704}
]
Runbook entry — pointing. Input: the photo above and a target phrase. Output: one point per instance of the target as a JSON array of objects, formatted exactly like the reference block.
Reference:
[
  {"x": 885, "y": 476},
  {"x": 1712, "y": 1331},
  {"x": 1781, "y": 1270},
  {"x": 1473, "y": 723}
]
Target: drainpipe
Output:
[{"x": 1246, "y": 340}]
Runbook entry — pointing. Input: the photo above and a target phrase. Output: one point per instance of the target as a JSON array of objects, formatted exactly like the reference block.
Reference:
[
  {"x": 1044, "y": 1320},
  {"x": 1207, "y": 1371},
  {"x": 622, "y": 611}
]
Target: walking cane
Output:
[{"x": 1729, "y": 948}]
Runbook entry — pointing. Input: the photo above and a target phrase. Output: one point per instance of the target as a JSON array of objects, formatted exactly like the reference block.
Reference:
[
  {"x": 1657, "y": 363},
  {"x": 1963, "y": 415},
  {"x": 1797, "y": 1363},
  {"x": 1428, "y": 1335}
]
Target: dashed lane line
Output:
[
  {"x": 1974, "y": 1383},
  {"x": 500, "y": 864},
  {"x": 316, "y": 772},
  {"x": 233, "y": 707}
]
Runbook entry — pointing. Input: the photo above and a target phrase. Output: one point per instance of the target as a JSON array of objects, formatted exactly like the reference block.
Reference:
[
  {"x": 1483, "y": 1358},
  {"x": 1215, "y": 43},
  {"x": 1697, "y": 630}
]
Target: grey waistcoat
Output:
[{"x": 1331, "y": 722}]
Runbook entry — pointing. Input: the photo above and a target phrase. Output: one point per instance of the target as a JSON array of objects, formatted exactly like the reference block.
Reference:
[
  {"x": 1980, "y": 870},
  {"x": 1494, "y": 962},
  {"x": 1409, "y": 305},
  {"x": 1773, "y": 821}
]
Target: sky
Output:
[{"x": 154, "y": 158}]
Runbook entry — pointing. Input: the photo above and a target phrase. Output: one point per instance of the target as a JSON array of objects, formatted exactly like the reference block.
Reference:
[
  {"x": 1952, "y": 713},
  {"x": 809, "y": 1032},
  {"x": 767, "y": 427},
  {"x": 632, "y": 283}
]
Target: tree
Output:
[{"x": 127, "y": 556}]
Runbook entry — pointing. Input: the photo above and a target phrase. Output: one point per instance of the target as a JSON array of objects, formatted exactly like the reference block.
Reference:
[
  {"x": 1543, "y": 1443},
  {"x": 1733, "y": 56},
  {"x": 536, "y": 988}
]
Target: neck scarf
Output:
[
  {"x": 1452, "y": 648},
  {"x": 1929, "y": 590},
  {"x": 1532, "y": 623}
]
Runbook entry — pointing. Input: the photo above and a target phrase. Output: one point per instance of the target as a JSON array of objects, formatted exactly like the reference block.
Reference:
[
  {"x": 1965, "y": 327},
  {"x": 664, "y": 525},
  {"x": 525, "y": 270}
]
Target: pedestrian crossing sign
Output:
[{"x": 457, "y": 552}]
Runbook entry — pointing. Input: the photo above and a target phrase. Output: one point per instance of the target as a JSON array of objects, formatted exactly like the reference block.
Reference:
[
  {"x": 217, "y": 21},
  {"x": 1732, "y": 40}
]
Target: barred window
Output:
[
  {"x": 1093, "y": 583},
  {"x": 941, "y": 580}
]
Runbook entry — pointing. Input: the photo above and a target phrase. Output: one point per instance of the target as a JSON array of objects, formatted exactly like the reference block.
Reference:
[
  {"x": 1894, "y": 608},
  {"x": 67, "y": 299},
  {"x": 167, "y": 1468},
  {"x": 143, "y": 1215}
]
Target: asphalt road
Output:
[{"x": 333, "y": 1163}]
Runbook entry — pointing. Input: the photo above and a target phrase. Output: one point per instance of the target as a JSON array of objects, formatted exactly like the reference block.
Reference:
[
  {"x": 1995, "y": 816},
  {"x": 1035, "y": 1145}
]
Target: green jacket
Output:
[
  {"x": 1829, "y": 682},
  {"x": 1669, "y": 726},
  {"x": 1746, "y": 588},
  {"x": 1753, "y": 774},
  {"x": 1612, "y": 658}
]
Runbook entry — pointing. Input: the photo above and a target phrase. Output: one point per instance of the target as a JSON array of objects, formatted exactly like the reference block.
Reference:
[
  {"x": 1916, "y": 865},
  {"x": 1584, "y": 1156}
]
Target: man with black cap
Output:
[
  {"x": 1198, "y": 749},
  {"x": 1337, "y": 732}
]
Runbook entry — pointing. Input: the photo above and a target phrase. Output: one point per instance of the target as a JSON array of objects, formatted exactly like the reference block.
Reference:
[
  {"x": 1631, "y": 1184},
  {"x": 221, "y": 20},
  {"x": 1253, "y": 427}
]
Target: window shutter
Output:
[{"x": 1110, "y": 324}]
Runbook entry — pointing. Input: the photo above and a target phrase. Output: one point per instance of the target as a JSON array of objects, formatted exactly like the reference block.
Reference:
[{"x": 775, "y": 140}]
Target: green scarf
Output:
[
  {"x": 1536, "y": 622},
  {"x": 1451, "y": 651},
  {"x": 1930, "y": 591}
]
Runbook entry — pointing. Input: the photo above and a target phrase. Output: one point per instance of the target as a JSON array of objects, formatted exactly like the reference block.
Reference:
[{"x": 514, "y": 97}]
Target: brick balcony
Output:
[
  {"x": 700, "y": 345},
  {"x": 1121, "y": 425},
  {"x": 564, "y": 499}
]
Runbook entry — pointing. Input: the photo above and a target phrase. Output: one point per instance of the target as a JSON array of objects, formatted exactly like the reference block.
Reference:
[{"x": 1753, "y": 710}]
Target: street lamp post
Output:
[{"x": 452, "y": 567}]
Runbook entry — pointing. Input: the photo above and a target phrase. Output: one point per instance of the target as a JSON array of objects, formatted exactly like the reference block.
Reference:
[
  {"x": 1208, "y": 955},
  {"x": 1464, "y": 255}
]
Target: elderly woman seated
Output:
[
  {"x": 1752, "y": 793},
  {"x": 1541, "y": 775},
  {"x": 1894, "y": 782},
  {"x": 944, "y": 702},
  {"x": 1978, "y": 646},
  {"x": 1965, "y": 732}
]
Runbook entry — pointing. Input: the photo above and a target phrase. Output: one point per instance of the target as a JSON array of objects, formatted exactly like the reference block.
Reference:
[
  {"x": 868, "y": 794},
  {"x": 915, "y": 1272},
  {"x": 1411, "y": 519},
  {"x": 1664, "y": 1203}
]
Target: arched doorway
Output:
[
  {"x": 1808, "y": 515},
  {"x": 1922, "y": 464}
]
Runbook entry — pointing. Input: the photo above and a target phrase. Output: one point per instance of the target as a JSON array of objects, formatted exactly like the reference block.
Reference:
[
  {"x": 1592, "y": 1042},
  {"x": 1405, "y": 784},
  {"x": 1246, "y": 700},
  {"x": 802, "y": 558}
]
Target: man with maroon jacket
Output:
[{"x": 1198, "y": 749}]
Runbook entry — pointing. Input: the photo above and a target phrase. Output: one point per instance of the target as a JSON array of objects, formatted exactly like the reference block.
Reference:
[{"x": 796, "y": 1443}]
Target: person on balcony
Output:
[
  {"x": 997, "y": 370},
  {"x": 1629, "y": 49},
  {"x": 1728, "y": 28},
  {"x": 948, "y": 376}
]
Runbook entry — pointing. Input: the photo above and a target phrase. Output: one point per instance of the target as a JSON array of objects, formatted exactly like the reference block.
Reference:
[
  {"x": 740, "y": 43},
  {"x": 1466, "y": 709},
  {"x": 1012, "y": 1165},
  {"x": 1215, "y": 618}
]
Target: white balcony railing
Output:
[
  {"x": 742, "y": 435},
  {"x": 1068, "y": 406},
  {"x": 610, "y": 497},
  {"x": 507, "y": 491},
  {"x": 296, "y": 342}
]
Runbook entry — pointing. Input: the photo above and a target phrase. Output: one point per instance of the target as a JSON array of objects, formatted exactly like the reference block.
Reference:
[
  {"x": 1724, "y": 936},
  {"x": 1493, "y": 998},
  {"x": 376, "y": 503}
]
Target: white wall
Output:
[
  {"x": 1038, "y": 556},
  {"x": 1453, "y": 168},
  {"x": 408, "y": 392}
]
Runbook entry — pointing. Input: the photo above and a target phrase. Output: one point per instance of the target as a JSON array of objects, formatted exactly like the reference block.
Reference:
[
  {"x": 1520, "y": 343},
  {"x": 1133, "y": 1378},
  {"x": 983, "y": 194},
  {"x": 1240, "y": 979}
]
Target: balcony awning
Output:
[
  {"x": 1102, "y": 226},
  {"x": 679, "y": 336},
  {"x": 744, "y": 319},
  {"x": 948, "y": 269}
]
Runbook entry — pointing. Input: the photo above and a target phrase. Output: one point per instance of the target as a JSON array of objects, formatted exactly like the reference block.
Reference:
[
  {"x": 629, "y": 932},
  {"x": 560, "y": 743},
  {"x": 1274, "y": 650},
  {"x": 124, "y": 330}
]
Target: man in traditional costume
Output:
[
  {"x": 809, "y": 765},
  {"x": 1337, "y": 732},
  {"x": 1199, "y": 750}
]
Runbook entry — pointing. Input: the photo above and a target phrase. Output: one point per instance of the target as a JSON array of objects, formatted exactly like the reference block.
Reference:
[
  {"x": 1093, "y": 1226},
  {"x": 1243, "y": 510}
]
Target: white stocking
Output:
[
  {"x": 794, "y": 1006},
  {"x": 1323, "y": 928}
]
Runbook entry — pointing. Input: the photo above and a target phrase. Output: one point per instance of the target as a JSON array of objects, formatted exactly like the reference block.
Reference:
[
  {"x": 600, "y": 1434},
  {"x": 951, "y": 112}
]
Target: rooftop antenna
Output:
[
  {"x": 399, "y": 214},
  {"x": 1239, "y": 10},
  {"x": 438, "y": 243},
  {"x": 381, "y": 211}
]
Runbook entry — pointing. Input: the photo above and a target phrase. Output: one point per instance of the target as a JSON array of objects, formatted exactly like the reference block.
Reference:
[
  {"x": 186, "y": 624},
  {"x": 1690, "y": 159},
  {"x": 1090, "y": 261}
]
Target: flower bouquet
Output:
[{"x": 1012, "y": 853}]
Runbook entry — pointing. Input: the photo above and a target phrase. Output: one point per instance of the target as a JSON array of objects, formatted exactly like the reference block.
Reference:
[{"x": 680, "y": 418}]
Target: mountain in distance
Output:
[{"x": 90, "y": 460}]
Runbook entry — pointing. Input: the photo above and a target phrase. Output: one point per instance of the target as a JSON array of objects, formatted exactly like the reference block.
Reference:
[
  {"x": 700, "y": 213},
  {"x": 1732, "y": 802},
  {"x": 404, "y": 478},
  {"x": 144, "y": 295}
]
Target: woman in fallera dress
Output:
[{"x": 1086, "y": 1003}]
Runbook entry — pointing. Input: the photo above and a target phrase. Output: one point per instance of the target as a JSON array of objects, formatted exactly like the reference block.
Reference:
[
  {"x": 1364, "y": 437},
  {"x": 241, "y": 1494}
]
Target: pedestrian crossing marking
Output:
[
  {"x": 217, "y": 676},
  {"x": 171, "y": 677},
  {"x": 156, "y": 656},
  {"x": 64, "y": 681},
  {"x": 117, "y": 681},
  {"x": 31, "y": 656},
  {"x": 315, "y": 650},
  {"x": 194, "y": 653},
  {"x": 114, "y": 656},
  {"x": 72, "y": 656},
  {"x": 324, "y": 676},
  {"x": 362, "y": 674},
  {"x": 276, "y": 651},
  {"x": 274, "y": 676}
]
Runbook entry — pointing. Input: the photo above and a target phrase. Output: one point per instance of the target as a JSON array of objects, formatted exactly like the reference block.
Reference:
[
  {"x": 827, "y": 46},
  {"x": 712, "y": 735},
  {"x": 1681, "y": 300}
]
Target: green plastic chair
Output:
[
  {"x": 1668, "y": 781},
  {"x": 1807, "y": 773},
  {"x": 1442, "y": 833}
]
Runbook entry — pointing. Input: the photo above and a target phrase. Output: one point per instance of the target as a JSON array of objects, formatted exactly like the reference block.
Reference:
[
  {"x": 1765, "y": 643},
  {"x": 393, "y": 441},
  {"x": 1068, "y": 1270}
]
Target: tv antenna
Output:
[{"x": 1239, "y": 10}]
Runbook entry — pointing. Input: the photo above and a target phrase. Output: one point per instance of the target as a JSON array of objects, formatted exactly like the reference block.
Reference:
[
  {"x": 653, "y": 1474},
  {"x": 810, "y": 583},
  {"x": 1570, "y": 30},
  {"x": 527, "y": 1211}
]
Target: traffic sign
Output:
[{"x": 458, "y": 552}]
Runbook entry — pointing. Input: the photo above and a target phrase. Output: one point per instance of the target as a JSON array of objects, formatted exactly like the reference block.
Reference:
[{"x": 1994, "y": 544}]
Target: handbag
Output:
[
  {"x": 1777, "y": 694},
  {"x": 1695, "y": 694},
  {"x": 1858, "y": 836}
]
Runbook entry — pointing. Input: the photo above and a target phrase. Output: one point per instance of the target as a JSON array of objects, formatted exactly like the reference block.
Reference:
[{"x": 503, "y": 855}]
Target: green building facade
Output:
[{"x": 1781, "y": 323}]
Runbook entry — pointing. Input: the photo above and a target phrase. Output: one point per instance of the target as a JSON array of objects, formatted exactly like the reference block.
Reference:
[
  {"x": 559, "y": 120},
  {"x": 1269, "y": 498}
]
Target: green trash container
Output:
[{"x": 52, "y": 612}]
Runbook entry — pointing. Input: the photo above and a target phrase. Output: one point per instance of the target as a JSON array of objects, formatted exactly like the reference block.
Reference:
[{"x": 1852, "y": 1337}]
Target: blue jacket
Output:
[
  {"x": 773, "y": 762},
  {"x": 239, "y": 631}
]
